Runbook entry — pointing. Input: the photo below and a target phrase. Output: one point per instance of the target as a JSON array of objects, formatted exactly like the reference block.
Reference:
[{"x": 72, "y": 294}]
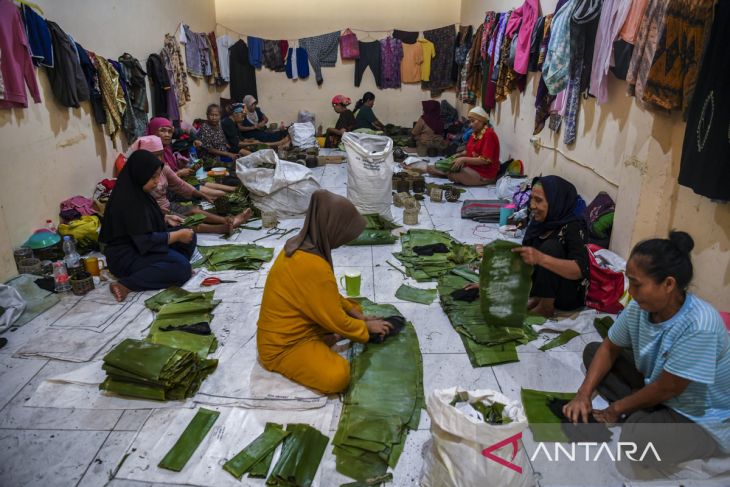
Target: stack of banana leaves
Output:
[
  {"x": 430, "y": 267},
  {"x": 444, "y": 165},
  {"x": 377, "y": 232},
  {"x": 383, "y": 402},
  {"x": 233, "y": 257},
  {"x": 175, "y": 320}
]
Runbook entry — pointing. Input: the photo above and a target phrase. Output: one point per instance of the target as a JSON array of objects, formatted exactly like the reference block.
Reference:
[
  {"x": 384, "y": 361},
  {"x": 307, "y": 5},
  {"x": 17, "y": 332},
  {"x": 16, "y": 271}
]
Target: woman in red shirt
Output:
[{"x": 478, "y": 165}]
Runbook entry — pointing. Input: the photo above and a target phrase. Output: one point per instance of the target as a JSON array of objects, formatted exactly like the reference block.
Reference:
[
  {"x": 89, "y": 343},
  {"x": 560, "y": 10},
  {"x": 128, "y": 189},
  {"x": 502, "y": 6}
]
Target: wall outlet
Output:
[{"x": 535, "y": 141}]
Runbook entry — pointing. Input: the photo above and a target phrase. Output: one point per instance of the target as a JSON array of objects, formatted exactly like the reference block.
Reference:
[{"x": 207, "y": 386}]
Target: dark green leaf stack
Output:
[
  {"x": 430, "y": 267},
  {"x": 233, "y": 257},
  {"x": 258, "y": 451},
  {"x": 186, "y": 310},
  {"x": 377, "y": 232},
  {"x": 301, "y": 454},
  {"x": 383, "y": 402}
]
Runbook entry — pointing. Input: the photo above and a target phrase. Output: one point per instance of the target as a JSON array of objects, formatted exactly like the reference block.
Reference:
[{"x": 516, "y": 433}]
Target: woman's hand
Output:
[
  {"x": 530, "y": 255},
  {"x": 379, "y": 327},
  {"x": 173, "y": 220},
  {"x": 458, "y": 164},
  {"x": 204, "y": 196},
  {"x": 183, "y": 173},
  {"x": 197, "y": 144},
  {"x": 371, "y": 318},
  {"x": 184, "y": 235},
  {"x": 471, "y": 285},
  {"x": 579, "y": 409}
]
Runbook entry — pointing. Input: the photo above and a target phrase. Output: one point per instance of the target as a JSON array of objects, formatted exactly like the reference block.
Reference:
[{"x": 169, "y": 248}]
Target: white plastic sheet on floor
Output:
[
  {"x": 234, "y": 429},
  {"x": 583, "y": 323}
]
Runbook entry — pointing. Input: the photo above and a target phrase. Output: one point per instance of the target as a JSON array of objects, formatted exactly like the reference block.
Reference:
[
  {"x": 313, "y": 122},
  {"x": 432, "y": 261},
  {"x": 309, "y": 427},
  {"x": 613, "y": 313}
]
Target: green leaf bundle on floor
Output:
[
  {"x": 301, "y": 455},
  {"x": 545, "y": 425},
  {"x": 189, "y": 440},
  {"x": 415, "y": 295},
  {"x": 259, "y": 450},
  {"x": 383, "y": 402},
  {"x": 430, "y": 267},
  {"x": 377, "y": 232},
  {"x": 234, "y": 257}
]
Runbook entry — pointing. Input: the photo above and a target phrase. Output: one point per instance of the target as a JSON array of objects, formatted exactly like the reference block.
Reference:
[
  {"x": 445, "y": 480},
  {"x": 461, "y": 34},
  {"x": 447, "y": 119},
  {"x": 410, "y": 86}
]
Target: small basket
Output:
[
  {"x": 30, "y": 266},
  {"x": 402, "y": 186},
  {"x": 268, "y": 219},
  {"x": 437, "y": 194},
  {"x": 419, "y": 184},
  {"x": 452, "y": 196},
  {"x": 82, "y": 283},
  {"x": 410, "y": 216}
]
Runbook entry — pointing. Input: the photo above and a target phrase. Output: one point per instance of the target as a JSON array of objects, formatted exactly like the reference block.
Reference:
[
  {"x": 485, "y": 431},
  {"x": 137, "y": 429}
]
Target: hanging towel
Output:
[
  {"x": 243, "y": 75},
  {"x": 224, "y": 43},
  {"x": 322, "y": 52},
  {"x": 297, "y": 63},
  {"x": 39, "y": 37},
  {"x": 255, "y": 51}
]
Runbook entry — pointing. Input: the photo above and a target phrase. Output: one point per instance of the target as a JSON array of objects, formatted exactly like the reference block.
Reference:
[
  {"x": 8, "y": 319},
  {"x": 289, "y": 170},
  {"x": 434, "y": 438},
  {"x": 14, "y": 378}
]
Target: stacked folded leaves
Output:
[
  {"x": 377, "y": 232},
  {"x": 185, "y": 310},
  {"x": 444, "y": 165},
  {"x": 233, "y": 257},
  {"x": 430, "y": 267},
  {"x": 383, "y": 402},
  {"x": 300, "y": 457}
]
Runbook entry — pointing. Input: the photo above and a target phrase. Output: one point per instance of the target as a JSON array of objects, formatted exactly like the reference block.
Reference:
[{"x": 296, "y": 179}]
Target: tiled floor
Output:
[{"x": 84, "y": 447}]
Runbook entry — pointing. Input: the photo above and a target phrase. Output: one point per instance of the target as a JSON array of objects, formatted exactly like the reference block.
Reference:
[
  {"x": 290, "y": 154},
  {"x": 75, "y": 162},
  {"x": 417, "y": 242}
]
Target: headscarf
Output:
[
  {"x": 237, "y": 107},
  {"x": 130, "y": 210},
  {"x": 252, "y": 115},
  {"x": 479, "y": 113},
  {"x": 432, "y": 116},
  {"x": 331, "y": 221},
  {"x": 150, "y": 143},
  {"x": 341, "y": 100},
  {"x": 562, "y": 197},
  {"x": 152, "y": 127}
]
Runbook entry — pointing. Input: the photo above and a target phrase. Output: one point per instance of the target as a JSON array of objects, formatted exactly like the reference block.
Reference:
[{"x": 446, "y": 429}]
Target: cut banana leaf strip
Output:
[
  {"x": 261, "y": 468},
  {"x": 559, "y": 340},
  {"x": 193, "y": 220},
  {"x": 466, "y": 274},
  {"x": 301, "y": 455},
  {"x": 504, "y": 286},
  {"x": 233, "y": 257},
  {"x": 602, "y": 325},
  {"x": 429, "y": 267},
  {"x": 256, "y": 451},
  {"x": 374, "y": 237},
  {"x": 373, "y": 482},
  {"x": 167, "y": 296},
  {"x": 416, "y": 295},
  {"x": 544, "y": 424},
  {"x": 192, "y": 308},
  {"x": 189, "y": 441},
  {"x": 444, "y": 165}
]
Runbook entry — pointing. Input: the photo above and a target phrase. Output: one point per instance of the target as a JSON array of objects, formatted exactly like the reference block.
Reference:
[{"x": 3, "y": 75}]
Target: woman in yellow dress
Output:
[{"x": 302, "y": 308}]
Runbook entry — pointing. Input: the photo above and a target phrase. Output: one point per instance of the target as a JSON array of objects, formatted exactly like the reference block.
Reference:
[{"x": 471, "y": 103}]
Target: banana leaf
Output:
[
  {"x": 147, "y": 360},
  {"x": 544, "y": 424},
  {"x": 374, "y": 237},
  {"x": 466, "y": 274},
  {"x": 192, "y": 308},
  {"x": 429, "y": 267},
  {"x": 256, "y": 451},
  {"x": 189, "y": 441},
  {"x": 491, "y": 413},
  {"x": 261, "y": 468},
  {"x": 504, "y": 284},
  {"x": 444, "y": 165},
  {"x": 233, "y": 257},
  {"x": 602, "y": 325},
  {"x": 559, "y": 340},
  {"x": 372, "y": 482},
  {"x": 382, "y": 403},
  {"x": 193, "y": 220},
  {"x": 416, "y": 295},
  {"x": 167, "y": 296},
  {"x": 301, "y": 455},
  {"x": 376, "y": 222}
]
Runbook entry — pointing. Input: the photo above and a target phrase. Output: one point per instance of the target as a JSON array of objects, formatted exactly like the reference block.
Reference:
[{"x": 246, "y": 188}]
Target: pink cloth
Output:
[
  {"x": 152, "y": 127},
  {"x": 151, "y": 143},
  {"x": 170, "y": 181},
  {"x": 83, "y": 205},
  {"x": 527, "y": 14},
  {"x": 17, "y": 67}
]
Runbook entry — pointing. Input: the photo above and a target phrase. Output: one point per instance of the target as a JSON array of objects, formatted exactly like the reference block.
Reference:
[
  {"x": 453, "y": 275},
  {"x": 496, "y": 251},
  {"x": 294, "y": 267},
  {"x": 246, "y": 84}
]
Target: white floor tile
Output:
[
  {"x": 14, "y": 374},
  {"x": 105, "y": 463},
  {"x": 435, "y": 333}
]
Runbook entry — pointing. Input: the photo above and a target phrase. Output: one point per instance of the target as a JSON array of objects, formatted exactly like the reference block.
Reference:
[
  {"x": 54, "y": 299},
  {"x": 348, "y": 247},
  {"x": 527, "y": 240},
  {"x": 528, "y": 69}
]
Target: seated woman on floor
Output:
[
  {"x": 664, "y": 367},
  {"x": 429, "y": 129},
  {"x": 142, "y": 246},
  {"x": 364, "y": 114},
  {"x": 253, "y": 125},
  {"x": 345, "y": 123},
  {"x": 231, "y": 123},
  {"x": 302, "y": 307},
  {"x": 163, "y": 128},
  {"x": 214, "y": 139}
]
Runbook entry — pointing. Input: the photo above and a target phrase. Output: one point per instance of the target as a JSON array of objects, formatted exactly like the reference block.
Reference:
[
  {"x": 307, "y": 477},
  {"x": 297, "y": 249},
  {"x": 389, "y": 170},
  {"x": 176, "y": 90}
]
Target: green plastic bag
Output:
[
  {"x": 504, "y": 285},
  {"x": 256, "y": 451},
  {"x": 189, "y": 441},
  {"x": 416, "y": 295}
]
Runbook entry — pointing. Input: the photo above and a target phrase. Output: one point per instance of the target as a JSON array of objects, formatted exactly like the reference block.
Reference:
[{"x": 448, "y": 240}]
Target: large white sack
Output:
[
  {"x": 286, "y": 189},
  {"x": 455, "y": 457},
  {"x": 369, "y": 172},
  {"x": 302, "y": 135}
]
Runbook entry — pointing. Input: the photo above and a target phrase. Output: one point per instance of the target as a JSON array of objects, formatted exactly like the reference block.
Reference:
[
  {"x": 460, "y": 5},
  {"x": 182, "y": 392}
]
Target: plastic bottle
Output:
[
  {"x": 193, "y": 155},
  {"x": 72, "y": 258},
  {"x": 61, "y": 278},
  {"x": 51, "y": 226}
]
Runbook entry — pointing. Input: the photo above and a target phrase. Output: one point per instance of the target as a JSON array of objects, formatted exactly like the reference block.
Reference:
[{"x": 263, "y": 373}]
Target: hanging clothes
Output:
[
  {"x": 673, "y": 73},
  {"x": 180, "y": 77},
  {"x": 224, "y": 43},
  {"x": 461, "y": 49},
  {"x": 543, "y": 99},
  {"x": 216, "y": 78},
  {"x": 39, "y": 37},
  {"x": 243, "y": 75},
  {"x": 17, "y": 66},
  {"x": 112, "y": 95},
  {"x": 429, "y": 52},
  {"x": 92, "y": 82},
  {"x": 370, "y": 58},
  {"x": 406, "y": 37},
  {"x": 556, "y": 68},
  {"x": 284, "y": 48},
  {"x": 297, "y": 64},
  {"x": 535, "y": 42},
  {"x": 706, "y": 150},
  {"x": 272, "y": 56},
  {"x": 474, "y": 68},
  {"x": 197, "y": 56},
  {"x": 527, "y": 13},
  {"x": 159, "y": 85},
  {"x": 391, "y": 55},
  {"x": 132, "y": 71},
  {"x": 255, "y": 51},
  {"x": 647, "y": 40},
  {"x": 173, "y": 105},
  {"x": 631, "y": 24},
  {"x": 67, "y": 79},
  {"x": 322, "y": 51},
  {"x": 613, "y": 16},
  {"x": 443, "y": 40},
  {"x": 410, "y": 67}
]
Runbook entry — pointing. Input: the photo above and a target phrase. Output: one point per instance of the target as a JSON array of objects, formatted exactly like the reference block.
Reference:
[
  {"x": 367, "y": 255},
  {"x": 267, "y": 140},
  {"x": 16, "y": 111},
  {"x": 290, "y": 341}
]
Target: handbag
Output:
[
  {"x": 606, "y": 286},
  {"x": 349, "y": 47}
]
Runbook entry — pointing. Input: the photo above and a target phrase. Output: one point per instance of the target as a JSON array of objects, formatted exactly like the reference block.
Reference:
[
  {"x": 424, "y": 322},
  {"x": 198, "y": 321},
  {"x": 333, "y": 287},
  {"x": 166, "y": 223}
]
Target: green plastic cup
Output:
[{"x": 352, "y": 283}]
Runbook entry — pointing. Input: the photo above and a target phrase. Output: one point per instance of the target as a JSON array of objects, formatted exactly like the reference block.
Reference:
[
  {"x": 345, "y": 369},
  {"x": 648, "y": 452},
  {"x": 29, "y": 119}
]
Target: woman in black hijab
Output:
[
  {"x": 555, "y": 243},
  {"x": 140, "y": 249}
]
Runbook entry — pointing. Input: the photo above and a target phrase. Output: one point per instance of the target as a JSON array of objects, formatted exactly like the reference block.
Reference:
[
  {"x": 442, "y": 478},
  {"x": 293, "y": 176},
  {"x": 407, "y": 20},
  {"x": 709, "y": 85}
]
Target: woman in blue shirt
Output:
[{"x": 665, "y": 361}]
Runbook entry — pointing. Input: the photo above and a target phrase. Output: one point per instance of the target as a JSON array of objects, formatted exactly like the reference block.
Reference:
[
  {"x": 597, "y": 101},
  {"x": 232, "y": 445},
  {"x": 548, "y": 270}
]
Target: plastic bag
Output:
[
  {"x": 607, "y": 286},
  {"x": 286, "y": 189},
  {"x": 305, "y": 116},
  {"x": 507, "y": 186},
  {"x": 349, "y": 47},
  {"x": 369, "y": 173},
  {"x": 302, "y": 135},
  {"x": 458, "y": 441},
  {"x": 82, "y": 229},
  {"x": 13, "y": 306}
]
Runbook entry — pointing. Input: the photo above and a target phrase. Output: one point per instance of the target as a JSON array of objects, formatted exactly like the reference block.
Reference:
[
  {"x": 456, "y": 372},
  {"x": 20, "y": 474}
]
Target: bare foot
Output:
[
  {"x": 544, "y": 308},
  {"x": 241, "y": 218},
  {"x": 119, "y": 291}
]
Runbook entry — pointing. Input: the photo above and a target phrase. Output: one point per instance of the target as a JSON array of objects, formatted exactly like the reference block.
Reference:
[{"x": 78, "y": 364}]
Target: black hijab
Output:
[
  {"x": 130, "y": 211},
  {"x": 562, "y": 198}
]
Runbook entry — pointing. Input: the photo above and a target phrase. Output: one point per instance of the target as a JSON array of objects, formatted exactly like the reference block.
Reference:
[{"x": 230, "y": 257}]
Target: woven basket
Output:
[
  {"x": 410, "y": 216},
  {"x": 437, "y": 194},
  {"x": 82, "y": 285},
  {"x": 30, "y": 266},
  {"x": 402, "y": 186},
  {"x": 418, "y": 184},
  {"x": 452, "y": 196}
]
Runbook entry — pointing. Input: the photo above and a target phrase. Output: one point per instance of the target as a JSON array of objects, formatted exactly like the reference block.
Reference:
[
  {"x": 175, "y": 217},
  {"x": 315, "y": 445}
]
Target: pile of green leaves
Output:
[
  {"x": 491, "y": 413},
  {"x": 377, "y": 232},
  {"x": 444, "y": 165},
  {"x": 258, "y": 454},
  {"x": 186, "y": 310},
  {"x": 383, "y": 402},
  {"x": 486, "y": 344},
  {"x": 193, "y": 220},
  {"x": 301, "y": 455},
  {"x": 233, "y": 257},
  {"x": 545, "y": 425},
  {"x": 429, "y": 267}
]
